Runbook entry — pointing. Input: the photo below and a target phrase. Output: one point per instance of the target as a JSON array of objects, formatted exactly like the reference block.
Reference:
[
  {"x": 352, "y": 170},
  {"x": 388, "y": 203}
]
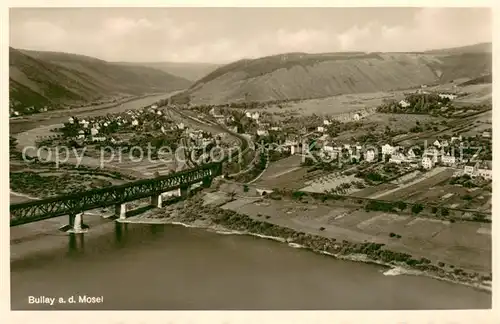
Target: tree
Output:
[
  {"x": 417, "y": 208},
  {"x": 401, "y": 205}
]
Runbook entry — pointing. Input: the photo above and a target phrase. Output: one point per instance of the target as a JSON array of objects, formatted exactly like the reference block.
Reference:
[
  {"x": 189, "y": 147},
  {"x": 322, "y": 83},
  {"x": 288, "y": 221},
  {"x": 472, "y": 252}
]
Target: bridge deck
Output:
[{"x": 27, "y": 212}]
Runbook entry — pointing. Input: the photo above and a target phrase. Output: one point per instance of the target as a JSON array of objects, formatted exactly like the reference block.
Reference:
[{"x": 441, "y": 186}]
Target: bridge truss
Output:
[{"x": 33, "y": 211}]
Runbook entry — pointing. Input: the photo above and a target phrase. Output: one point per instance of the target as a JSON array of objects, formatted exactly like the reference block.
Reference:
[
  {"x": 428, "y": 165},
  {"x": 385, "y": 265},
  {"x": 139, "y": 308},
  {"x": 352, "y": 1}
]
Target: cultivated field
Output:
[
  {"x": 466, "y": 245},
  {"x": 331, "y": 181},
  {"x": 346, "y": 104},
  {"x": 428, "y": 180}
]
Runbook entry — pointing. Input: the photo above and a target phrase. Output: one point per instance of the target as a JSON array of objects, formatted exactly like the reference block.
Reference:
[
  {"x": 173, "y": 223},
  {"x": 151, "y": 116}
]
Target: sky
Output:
[{"x": 222, "y": 35}]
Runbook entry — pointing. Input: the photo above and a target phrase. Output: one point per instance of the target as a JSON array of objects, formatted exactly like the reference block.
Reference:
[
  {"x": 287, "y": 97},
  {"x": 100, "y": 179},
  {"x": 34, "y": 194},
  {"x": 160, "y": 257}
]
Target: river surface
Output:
[{"x": 168, "y": 267}]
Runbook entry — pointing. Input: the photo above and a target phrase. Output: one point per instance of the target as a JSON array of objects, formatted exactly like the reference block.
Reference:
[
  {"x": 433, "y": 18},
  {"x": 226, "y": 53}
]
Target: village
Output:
[
  {"x": 470, "y": 154},
  {"x": 147, "y": 127}
]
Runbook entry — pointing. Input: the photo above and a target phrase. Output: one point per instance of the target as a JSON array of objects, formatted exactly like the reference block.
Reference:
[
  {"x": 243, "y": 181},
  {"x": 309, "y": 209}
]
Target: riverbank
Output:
[{"x": 194, "y": 213}]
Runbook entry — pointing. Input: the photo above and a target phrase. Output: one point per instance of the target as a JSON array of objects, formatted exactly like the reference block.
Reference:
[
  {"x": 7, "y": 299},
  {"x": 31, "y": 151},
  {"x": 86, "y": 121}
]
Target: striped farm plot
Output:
[{"x": 331, "y": 181}]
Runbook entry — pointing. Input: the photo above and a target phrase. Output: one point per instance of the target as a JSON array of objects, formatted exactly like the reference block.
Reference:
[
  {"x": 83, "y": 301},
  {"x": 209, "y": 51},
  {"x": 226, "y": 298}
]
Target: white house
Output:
[
  {"x": 93, "y": 131},
  {"x": 436, "y": 144},
  {"x": 398, "y": 158},
  {"x": 135, "y": 122},
  {"x": 427, "y": 162},
  {"x": 216, "y": 113},
  {"x": 403, "y": 103},
  {"x": 369, "y": 155},
  {"x": 486, "y": 134},
  {"x": 434, "y": 153},
  {"x": 292, "y": 145},
  {"x": 262, "y": 132},
  {"x": 328, "y": 148},
  {"x": 471, "y": 168},
  {"x": 81, "y": 134},
  {"x": 387, "y": 149},
  {"x": 411, "y": 155},
  {"x": 275, "y": 128},
  {"x": 255, "y": 116},
  {"x": 448, "y": 159},
  {"x": 248, "y": 114},
  {"x": 485, "y": 170},
  {"x": 326, "y": 122},
  {"x": 447, "y": 95},
  {"x": 98, "y": 138},
  {"x": 320, "y": 129},
  {"x": 357, "y": 116},
  {"x": 71, "y": 120}
]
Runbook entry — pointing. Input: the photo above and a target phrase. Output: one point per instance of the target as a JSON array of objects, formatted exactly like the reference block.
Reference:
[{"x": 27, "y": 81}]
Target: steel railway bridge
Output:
[{"x": 75, "y": 204}]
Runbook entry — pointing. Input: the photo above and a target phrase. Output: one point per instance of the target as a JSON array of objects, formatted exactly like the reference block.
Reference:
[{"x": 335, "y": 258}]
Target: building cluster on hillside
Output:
[
  {"x": 444, "y": 151},
  {"x": 440, "y": 152},
  {"x": 101, "y": 128},
  {"x": 13, "y": 112}
]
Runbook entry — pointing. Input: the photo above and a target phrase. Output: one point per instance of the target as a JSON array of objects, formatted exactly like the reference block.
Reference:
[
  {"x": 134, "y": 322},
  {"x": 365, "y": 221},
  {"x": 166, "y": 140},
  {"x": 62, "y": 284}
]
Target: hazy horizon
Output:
[{"x": 223, "y": 35}]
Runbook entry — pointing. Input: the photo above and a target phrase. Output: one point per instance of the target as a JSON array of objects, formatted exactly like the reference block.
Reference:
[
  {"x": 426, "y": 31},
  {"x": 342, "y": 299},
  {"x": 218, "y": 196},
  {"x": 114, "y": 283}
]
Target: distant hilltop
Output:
[
  {"x": 50, "y": 80},
  {"x": 307, "y": 76}
]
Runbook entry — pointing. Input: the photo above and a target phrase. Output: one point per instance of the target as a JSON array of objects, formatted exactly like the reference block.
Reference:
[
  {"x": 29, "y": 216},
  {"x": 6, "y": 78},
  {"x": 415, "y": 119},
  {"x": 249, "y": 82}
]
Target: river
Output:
[{"x": 168, "y": 267}]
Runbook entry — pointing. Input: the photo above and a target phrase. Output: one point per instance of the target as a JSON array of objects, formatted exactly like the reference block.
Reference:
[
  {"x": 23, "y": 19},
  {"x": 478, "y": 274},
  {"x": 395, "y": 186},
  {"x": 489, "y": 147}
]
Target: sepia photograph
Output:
[{"x": 250, "y": 158}]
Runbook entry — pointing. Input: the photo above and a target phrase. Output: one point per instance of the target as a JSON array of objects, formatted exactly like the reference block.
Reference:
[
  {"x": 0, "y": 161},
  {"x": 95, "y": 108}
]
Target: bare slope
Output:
[
  {"x": 189, "y": 71},
  {"x": 301, "y": 75},
  {"x": 57, "y": 79}
]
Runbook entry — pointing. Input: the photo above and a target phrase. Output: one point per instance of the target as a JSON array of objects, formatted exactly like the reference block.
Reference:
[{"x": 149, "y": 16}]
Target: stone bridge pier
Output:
[
  {"x": 76, "y": 224},
  {"x": 121, "y": 211}
]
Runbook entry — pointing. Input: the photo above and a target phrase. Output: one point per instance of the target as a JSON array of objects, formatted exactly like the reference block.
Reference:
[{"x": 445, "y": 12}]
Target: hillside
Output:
[
  {"x": 469, "y": 49},
  {"x": 55, "y": 80},
  {"x": 189, "y": 71},
  {"x": 303, "y": 76}
]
